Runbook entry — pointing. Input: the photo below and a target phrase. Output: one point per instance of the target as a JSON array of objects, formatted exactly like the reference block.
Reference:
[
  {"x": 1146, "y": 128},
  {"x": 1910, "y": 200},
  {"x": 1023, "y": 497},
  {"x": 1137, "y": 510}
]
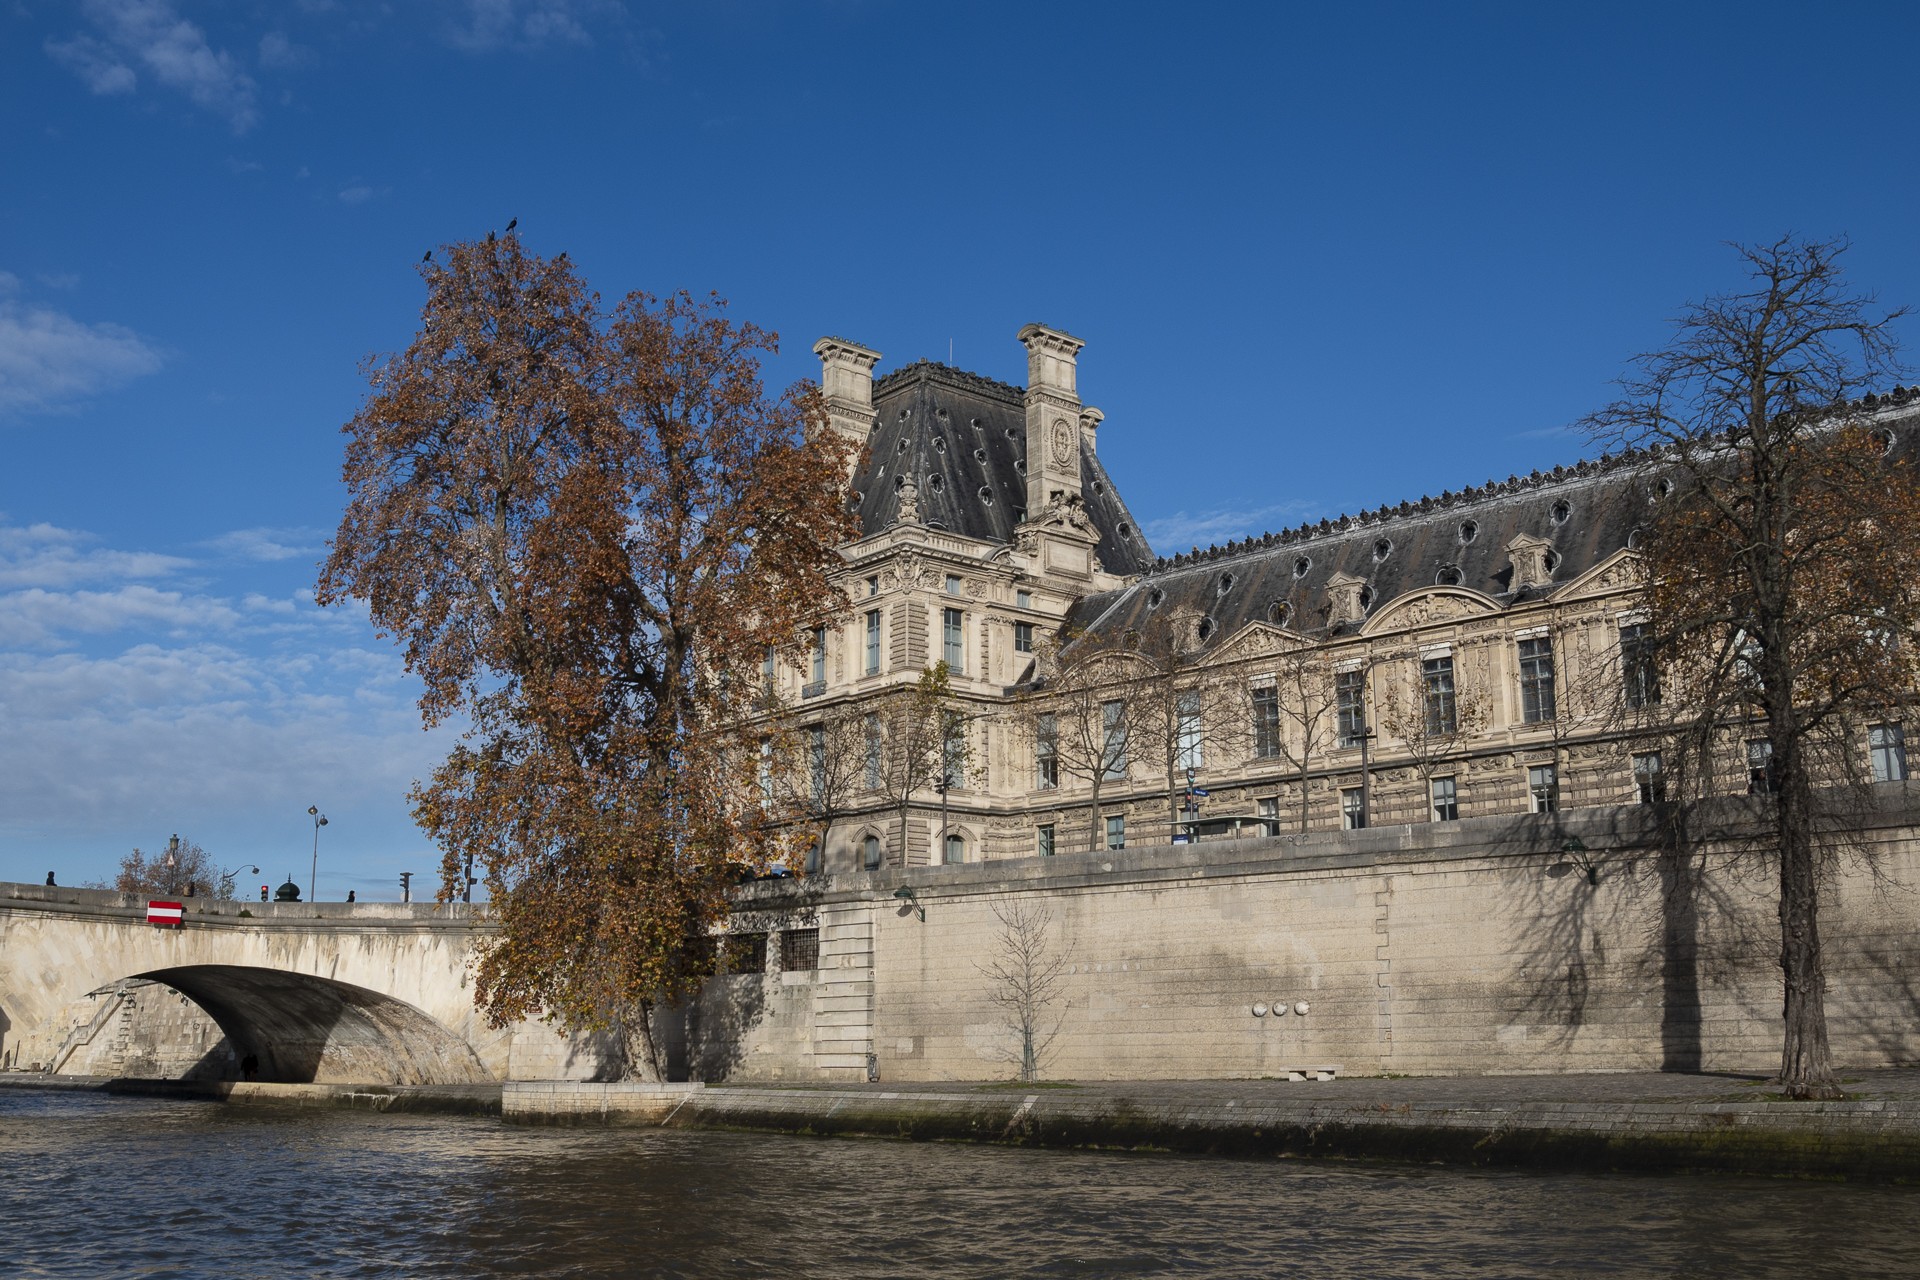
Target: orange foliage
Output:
[{"x": 585, "y": 527}]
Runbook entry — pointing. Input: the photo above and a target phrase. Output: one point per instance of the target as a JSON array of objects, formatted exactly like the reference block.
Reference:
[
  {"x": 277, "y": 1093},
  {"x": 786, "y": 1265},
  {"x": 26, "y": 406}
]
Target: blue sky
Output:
[{"x": 1323, "y": 257}]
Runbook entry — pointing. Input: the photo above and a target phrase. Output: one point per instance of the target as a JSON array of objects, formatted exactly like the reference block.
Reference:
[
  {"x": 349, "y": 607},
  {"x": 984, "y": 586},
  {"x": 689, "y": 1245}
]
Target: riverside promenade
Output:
[{"x": 1719, "y": 1123}]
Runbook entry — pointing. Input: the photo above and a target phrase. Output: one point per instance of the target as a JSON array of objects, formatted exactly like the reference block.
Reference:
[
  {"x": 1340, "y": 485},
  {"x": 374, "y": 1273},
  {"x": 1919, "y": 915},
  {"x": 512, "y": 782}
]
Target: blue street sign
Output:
[{"x": 1198, "y": 791}]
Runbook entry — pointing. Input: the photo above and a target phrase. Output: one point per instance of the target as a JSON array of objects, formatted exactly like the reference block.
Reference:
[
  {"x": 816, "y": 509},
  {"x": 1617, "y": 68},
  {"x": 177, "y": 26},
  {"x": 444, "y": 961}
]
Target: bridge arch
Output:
[{"x": 304, "y": 1029}]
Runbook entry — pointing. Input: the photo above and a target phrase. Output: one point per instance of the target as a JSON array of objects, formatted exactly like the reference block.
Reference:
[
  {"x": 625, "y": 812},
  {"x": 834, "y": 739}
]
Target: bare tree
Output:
[
  {"x": 1078, "y": 716},
  {"x": 1433, "y": 714},
  {"x": 183, "y": 867},
  {"x": 1027, "y": 975},
  {"x": 1178, "y": 709},
  {"x": 1304, "y": 701},
  {"x": 1779, "y": 557},
  {"x": 910, "y": 747},
  {"x": 821, "y": 770}
]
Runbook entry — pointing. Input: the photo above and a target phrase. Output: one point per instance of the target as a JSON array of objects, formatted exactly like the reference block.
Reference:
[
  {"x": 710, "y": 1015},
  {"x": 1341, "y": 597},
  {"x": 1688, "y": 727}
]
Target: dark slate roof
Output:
[
  {"x": 964, "y": 438},
  {"x": 1588, "y": 511}
]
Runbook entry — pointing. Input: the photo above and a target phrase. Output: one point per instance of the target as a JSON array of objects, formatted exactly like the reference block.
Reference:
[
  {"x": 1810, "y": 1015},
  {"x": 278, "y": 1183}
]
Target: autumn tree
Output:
[
  {"x": 584, "y": 526},
  {"x": 181, "y": 867},
  {"x": 1779, "y": 559}
]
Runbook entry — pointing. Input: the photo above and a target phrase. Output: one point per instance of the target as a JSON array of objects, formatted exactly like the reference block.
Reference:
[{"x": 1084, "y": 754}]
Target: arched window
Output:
[
  {"x": 813, "y": 858},
  {"x": 870, "y": 852},
  {"x": 956, "y": 850}
]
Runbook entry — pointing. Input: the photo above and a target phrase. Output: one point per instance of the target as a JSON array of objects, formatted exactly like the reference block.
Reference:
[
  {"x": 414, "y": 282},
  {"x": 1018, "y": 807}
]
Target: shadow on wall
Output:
[
  {"x": 729, "y": 1007},
  {"x": 307, "y": 1030},
  {"x": 7, "y": 1051}
]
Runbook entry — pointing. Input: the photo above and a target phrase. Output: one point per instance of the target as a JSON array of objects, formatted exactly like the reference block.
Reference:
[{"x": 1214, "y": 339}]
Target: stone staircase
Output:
[{"x": 843, "y": 994}]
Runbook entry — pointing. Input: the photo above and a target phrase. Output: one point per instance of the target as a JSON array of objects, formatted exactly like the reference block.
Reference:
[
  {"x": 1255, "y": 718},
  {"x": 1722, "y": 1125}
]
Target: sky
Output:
[{"x": 1323, "y": 257}]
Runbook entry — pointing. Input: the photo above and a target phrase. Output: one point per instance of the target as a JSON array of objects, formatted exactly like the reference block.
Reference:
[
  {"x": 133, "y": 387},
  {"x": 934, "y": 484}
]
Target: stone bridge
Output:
[{"x": 316, "y": 992}]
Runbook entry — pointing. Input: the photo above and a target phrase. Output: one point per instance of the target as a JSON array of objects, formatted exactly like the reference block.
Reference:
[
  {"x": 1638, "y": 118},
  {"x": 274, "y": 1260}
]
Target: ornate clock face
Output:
[{"x": 1062, "y": 442}]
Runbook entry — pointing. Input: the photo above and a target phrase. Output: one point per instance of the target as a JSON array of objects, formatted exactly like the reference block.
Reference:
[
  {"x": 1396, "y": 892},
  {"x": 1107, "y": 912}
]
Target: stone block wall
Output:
[{"x": 1472, "y": 947}]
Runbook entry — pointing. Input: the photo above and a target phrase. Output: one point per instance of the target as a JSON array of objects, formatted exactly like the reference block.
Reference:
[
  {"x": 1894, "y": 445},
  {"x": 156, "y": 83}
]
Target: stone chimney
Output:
[
  {"x": 1090, "y": 420},
  {"x": 1345, "y": 602},
  {"x": 1053, "y": 417},
  {"x": 846, "y": 377}
]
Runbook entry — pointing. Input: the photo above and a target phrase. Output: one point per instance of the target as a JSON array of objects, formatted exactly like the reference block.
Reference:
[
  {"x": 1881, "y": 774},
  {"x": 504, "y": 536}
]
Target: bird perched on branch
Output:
[{"x": 512, "y": 223}]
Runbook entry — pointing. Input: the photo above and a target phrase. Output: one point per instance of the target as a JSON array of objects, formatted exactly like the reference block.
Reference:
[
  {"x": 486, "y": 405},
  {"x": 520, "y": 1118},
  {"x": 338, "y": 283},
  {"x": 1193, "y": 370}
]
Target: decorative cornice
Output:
[{"x": 934, "y": 371}]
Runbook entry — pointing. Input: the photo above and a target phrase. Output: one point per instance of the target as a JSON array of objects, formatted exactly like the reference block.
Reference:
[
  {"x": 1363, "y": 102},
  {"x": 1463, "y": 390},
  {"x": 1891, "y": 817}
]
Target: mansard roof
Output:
[
  {"x": 964, "y": 440},
  {"x": 1587, "y": 512}
]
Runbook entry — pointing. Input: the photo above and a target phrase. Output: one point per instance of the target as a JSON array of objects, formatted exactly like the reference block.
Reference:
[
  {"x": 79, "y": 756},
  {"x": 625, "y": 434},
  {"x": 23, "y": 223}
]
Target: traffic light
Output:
[{"x": 406, "y": 886}]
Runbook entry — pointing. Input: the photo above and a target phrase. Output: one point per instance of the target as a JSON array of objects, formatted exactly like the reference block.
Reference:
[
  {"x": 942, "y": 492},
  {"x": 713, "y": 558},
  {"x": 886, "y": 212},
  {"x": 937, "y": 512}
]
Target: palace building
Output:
[{"x": 1465, "y": 655}]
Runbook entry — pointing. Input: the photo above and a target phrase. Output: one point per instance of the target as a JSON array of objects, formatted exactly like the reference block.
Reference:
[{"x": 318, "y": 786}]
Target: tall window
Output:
[
  {"x": 766, "y": 669},
  {"x": 950, "y": 620},
  {"x": 956, "y": 850},
  {"x": 1043, "y": 839},
  {"x": 1187, "y": 732},
  {"x": 1888, "y": 745},
  {"x": 817, "y": 681},
  {"x": 1113, "y": 749},
  {"x": 1650, "y": 778},
  {"x": 1763, "y": 778},
  {"x": 872, "y": 722},
  {"x": 1046, "y": 751},
  {"x": 1266, "y": 723},
  {"x": 1639, "y": 675},
  {"x": 1353, "y": 808},
  {"x": 1268, "y": 810},
  {"x": 870, "y": 852},
  {"x": 1436, "y": 689},
  {"x": 1117, "y": 832},
  {"x": 1023, "y": 637},
  {"x": 873, "y": 642},
  {"x": 765, "y": 773},
  {"x": 813, "y": 858},
  {"x": 1350, "y": 705},
  {"x": 1543, "y": 788},
  {"x": 1446, "y": 800},
  {"x": 817, "y": 764},
  {"x": 1536, "y": 682}
]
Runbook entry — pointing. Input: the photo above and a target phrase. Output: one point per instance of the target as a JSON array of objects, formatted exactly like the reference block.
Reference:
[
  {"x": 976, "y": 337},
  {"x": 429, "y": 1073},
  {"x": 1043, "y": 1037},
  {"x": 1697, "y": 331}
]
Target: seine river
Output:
[{"x": 95, "y": 1186}]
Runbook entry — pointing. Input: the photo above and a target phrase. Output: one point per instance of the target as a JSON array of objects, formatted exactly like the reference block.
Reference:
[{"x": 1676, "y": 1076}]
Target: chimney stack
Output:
[
  {"x": 846, "y": 378},
  {"x": 1053, "y": 416}
]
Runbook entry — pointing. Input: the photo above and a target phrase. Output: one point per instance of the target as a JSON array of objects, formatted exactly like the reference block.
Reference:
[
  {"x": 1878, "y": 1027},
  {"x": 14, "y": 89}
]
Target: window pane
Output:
[
  {"x": 1350, "y": 700},
  {"x": 1117, "y": 833},
  {"x": 1446, "y": 803},
  {"x": 1442, "y": 712},
  {"x": 1044, "y": 839},
  {"x": 1889, "y": 749},
  {"x": 1543, "y": 783},
  {"x": 870, "y": 852},
  {"x": 1266, "y": 723},
  {"x": 1353, "y": 809},
  {"x": 1114, "y": 746},
  {"x": 950, "y": 636},
  {"x": 800, "y": 950},
  {"x": 1649, "y": 778},
  {"x": 1536, "y": 680},
  {"x": 873, "y": 642}
]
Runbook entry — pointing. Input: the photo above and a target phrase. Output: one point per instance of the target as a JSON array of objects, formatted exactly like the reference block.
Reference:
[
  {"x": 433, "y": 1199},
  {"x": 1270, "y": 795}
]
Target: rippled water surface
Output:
[{"x": 97, "y": 1186}]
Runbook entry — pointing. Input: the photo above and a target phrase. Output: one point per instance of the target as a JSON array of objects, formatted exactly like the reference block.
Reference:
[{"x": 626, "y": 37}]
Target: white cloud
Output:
[
  {"x": 37, "y": 617},
  {"x": 150, "y": 36},
  {"x": 266, "y": 545},
  {"x": 356, "y": 194},
  {"x": 527, "y": 24},
  {"x": 49, "y": 359},
  {"x": 276, "y": 50},
  {"x": 42, "y": 555},
  {"x": 1181, "y": 530}
]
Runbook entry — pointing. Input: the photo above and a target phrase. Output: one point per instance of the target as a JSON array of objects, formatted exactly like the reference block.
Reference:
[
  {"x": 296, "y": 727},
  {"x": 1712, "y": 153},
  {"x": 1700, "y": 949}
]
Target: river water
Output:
[{"x": 96, "y": 1186}]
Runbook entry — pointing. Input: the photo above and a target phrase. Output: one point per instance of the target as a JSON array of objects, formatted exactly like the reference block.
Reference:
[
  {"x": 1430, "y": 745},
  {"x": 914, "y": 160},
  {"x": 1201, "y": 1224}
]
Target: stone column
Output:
[{"x": 846, "y": 377}]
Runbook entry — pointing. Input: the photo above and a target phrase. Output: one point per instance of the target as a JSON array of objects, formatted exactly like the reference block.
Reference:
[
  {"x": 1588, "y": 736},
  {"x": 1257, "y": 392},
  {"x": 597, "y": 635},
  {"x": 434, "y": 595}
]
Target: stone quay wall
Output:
[{"x": 1544, "y": 943}]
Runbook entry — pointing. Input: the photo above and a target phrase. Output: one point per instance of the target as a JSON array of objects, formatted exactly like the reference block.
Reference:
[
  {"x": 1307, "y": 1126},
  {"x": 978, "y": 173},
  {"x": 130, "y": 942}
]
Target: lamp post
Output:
[
  {"x": 313, "y": 873},
  {"x": 173, "y": 864},
  {"x": 226, "y": 879}
]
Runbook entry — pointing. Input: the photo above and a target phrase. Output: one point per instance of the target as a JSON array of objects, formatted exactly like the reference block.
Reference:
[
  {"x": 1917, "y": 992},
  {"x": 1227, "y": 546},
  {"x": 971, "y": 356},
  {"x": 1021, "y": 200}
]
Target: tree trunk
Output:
[
  {"x": 1093, "y": 842},
  {"x": 1806, "y": 1059},
  {"x": 1303, "y": 794}
]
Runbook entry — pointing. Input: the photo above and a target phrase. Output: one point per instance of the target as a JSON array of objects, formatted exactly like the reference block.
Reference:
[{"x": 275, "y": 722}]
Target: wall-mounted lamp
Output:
[
  {"x": 1578, "y": 858},
  {"x": 909, "y": 902}
]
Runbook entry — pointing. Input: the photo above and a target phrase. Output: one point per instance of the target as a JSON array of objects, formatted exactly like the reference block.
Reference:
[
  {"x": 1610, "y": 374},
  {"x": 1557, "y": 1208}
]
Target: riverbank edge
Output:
[
  {"x": 443, "y": 1099},
  {"x": 1857, "y": 1141},
  {"x": 1850, "y": 1141}
]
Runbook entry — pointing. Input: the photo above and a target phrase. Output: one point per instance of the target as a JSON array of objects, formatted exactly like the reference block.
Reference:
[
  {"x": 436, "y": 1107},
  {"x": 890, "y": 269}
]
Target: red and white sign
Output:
[{"x": 166, "y": 913}]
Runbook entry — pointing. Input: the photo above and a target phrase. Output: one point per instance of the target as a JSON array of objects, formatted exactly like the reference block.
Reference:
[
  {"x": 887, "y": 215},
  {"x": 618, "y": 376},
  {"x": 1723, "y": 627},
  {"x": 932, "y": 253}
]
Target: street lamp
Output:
[
  {"x": 173, "y": 864},
  {"x": 313, "y": 873},
  {"x": 226, "y": 880}
]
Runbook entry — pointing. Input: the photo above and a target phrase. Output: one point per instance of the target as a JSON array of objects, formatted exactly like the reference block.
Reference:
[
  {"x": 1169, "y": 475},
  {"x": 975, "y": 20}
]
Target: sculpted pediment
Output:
[
  {"x": 1255, "y": 640},
  {"x": 1428, "y": 608},
  {"x": 1621, "y": 571}
]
